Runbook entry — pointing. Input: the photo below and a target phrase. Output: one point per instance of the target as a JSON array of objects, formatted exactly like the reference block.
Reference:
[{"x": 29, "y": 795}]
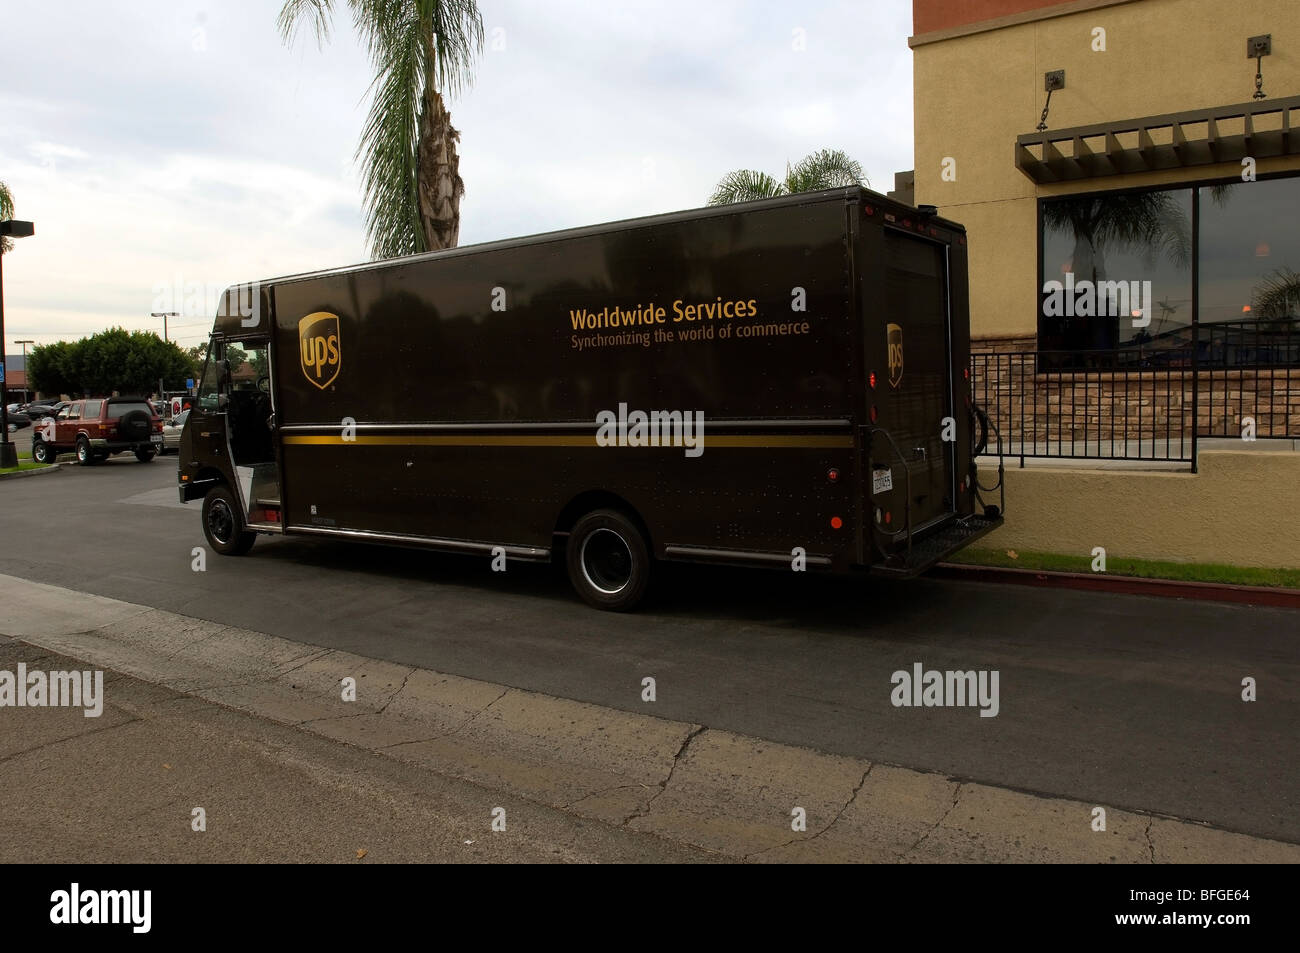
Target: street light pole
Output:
[
  {"x": 8, "y": 454},
  {"x": 27, "y": 391},
  {"x": 164, "y": 315}
]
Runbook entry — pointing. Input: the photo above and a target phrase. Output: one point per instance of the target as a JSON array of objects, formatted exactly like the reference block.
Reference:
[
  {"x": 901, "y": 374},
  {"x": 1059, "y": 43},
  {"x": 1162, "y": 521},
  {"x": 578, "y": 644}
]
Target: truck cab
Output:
[{"x": 228, "y": 455}]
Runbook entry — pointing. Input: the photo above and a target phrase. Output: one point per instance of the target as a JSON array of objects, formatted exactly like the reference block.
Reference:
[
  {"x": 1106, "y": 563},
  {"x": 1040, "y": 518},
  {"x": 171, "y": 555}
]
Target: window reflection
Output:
[
  {"x": 1093, "y": 242},
  {"x": 1250, "y": 272},
  {"x": 1247, "y": 251}
]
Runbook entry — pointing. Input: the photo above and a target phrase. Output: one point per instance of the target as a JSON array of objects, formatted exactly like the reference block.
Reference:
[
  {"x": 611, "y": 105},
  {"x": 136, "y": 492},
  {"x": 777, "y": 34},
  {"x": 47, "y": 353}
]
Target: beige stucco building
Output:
[{"x": 1164, "y": 166}]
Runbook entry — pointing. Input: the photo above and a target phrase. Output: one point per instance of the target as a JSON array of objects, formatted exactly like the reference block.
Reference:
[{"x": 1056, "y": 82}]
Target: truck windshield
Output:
[{"x": 211, "y": 379}]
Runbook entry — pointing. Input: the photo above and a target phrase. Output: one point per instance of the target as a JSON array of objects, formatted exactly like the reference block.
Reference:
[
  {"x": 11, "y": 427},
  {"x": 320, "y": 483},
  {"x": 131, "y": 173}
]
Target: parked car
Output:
[
  {"x": 98, "y": 428},
  {"x": 19, "y": 421},
  {"x": 172, "y": 431},
  {"x": 45, "y": 408}
]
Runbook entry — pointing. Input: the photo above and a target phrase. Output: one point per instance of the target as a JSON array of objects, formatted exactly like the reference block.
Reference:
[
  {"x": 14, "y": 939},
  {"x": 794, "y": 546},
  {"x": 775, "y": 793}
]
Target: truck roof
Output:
[{"x": 663, "y": 218}]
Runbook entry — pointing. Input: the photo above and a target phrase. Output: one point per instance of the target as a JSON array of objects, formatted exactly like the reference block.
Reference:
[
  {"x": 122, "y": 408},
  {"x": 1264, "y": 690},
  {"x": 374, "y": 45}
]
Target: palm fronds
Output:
[
  {"x": 417, "y": 49},
  {"x": 6, "y": 213},
  {"x": 825, "y": 169}
]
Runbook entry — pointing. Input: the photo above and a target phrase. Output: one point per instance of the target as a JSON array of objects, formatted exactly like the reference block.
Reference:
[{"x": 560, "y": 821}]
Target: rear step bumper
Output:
[{"x": 937, "y": 546}]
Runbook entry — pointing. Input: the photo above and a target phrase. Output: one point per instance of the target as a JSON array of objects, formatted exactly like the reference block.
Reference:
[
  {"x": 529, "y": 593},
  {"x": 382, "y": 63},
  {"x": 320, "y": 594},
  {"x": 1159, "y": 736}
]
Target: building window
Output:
[
  {"x": 1116, "y": 276},
  {"x": 1116, "y": 280},
  {"x": 1249, "y": 301}
]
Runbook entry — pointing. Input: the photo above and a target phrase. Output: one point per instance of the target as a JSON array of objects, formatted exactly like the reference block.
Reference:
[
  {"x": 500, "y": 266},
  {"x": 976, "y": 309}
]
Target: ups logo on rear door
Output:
[
  {"x": 319, "y": 348},
  {"x": 894, "y": 338}
]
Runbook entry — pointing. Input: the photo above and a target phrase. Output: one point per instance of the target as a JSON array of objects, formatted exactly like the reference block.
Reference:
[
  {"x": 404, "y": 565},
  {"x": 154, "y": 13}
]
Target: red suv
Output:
[{"x": 99, "y": 427}]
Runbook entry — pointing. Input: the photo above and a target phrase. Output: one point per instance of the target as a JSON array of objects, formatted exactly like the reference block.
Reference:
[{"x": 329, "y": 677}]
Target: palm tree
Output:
[
  {"x": 6, "y": 213},
  {"x": 827, "y": 169},
  {"x": 419, "y": 49},
  {"x": 1277, "y": 296}
]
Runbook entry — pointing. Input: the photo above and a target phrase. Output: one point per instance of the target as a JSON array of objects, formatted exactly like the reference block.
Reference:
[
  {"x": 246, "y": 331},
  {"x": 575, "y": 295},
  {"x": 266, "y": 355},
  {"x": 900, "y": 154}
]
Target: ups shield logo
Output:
[
  {"x": 894, "y": 338},
  {"x": 318, "y": 348}
]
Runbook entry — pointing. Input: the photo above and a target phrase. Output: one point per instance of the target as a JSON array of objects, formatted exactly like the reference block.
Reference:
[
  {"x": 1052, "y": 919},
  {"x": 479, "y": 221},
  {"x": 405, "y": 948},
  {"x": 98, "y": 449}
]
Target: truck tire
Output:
[
  {"x": 608, "y": 561},
  {"x": 144, "y": 456},
  {"x": 42, "y": 452},
  {"x": 85, "y": 456},
  {"x": 223, "y": 524}
]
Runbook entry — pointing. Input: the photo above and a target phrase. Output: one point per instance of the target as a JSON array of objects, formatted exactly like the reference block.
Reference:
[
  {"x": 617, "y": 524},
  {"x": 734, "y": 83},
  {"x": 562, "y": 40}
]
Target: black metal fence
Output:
[{"x": 1141, "y": 402}]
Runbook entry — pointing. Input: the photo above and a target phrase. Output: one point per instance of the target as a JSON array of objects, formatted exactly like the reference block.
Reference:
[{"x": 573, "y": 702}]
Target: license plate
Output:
[
  {"x": 882, "y": 480},
  {"x": 156, "y": 438}
]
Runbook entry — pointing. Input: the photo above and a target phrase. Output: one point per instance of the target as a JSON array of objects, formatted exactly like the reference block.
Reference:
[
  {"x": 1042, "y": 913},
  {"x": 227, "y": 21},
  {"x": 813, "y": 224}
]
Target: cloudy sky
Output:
[{"x": 164, "y": 146}]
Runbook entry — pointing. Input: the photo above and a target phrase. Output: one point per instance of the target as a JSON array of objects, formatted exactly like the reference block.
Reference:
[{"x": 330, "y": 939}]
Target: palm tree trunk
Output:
[{"x": 438, "y": 182}]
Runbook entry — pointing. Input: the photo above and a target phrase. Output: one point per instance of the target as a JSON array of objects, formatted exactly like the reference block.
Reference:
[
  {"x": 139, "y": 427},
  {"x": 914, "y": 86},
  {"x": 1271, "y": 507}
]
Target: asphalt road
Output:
[{"x": 1126, "y": 701}]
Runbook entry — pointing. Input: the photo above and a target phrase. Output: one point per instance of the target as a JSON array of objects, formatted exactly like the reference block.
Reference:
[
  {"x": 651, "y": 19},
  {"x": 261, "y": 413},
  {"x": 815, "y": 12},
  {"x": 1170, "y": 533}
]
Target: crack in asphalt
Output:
[
  {"x": 663, "y": 785},
  {"x": 405, "y": 678},
  {"x": 446, "y": 734},
  {"x": 615, "y": 787},
  {"x": 76, "y": 737},
  {"x": 306, "y": 658},
  {"x": 956, "y": 796},
  {"x": 1150, "y": 844},
  {"x": 847, "y": 804}
]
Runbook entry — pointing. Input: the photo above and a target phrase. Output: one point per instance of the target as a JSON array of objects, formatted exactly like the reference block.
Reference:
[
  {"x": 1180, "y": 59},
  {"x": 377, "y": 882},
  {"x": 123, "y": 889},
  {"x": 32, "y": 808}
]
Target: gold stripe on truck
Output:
[{"x": 543, "y": 440}]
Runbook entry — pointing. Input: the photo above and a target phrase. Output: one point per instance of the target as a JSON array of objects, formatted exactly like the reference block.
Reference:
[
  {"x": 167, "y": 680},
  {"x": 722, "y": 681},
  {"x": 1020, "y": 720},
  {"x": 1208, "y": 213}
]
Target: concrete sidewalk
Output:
[
  {"x": 561, "y": 765},
  {"x": 123, "y": 788}
]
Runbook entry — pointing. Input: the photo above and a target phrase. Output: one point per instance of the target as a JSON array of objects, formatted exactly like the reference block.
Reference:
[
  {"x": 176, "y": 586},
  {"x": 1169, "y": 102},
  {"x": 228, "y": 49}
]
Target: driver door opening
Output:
[{"x": 244, "y": 394}]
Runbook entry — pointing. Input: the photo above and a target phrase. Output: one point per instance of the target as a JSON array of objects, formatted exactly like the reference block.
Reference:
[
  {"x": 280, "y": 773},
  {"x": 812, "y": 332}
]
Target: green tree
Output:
[
  {"x": 411, "y": 170},
  {"x": 49, "y": 369},
  {"x": 197, "y": 355},
  {"x": 6, "y": 213},
  {"x": 116, "y": 360},
  {"x": 825, "y": 169}
]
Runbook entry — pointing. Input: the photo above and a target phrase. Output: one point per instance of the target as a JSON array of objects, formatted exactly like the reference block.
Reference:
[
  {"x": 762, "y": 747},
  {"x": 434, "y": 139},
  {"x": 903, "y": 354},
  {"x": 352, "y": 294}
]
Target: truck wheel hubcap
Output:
[
  {"x": 221, "y": 522},
  {"x": 606, "y": 561}
]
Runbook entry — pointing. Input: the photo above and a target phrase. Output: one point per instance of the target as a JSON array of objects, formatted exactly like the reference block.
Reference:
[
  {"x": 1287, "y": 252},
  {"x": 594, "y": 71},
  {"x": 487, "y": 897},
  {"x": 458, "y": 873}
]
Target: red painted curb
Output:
[{"x": 1131, "y": 585}]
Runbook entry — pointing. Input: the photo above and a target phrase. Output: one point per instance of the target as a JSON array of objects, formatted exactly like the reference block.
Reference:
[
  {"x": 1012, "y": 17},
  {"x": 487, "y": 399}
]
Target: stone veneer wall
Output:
[{"x": 1118, "y": 413}]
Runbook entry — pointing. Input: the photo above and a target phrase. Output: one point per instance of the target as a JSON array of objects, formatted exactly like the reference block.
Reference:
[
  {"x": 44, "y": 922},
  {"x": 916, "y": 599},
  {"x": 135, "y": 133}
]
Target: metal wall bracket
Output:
[
  {"x": 1052, "y": 80},
  {"x": 1258, "y": 46}
]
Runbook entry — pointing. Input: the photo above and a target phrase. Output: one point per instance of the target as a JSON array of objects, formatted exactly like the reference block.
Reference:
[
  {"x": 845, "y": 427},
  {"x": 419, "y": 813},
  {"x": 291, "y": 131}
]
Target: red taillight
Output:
[
  {"x": 836, "y": 522},
  {"x": 966, "y": 373},
  {"x": 888, "y": 517},
  {"x": 872, "y": 380},
  {"x": 833, "y": 475},
  {"x": 869, "y": 210},
  {"x": 873, "y": 413}
]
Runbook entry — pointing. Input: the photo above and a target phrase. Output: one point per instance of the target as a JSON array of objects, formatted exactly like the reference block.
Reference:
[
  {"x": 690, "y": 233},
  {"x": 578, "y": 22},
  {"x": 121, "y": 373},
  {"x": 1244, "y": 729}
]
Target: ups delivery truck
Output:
[{"x": 780, "y": 383}]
